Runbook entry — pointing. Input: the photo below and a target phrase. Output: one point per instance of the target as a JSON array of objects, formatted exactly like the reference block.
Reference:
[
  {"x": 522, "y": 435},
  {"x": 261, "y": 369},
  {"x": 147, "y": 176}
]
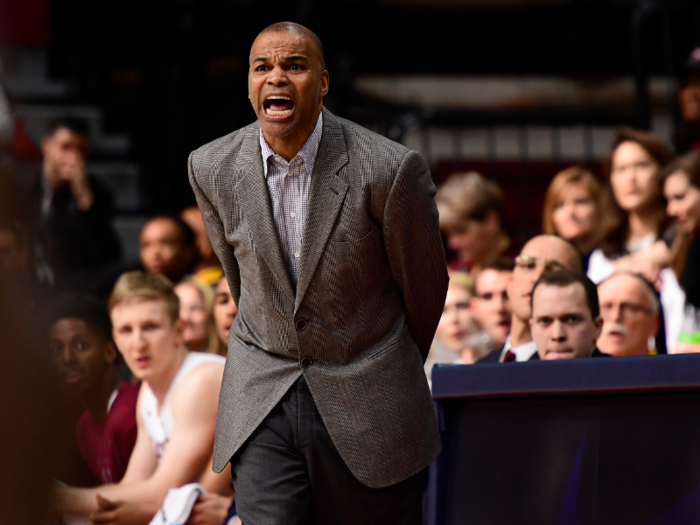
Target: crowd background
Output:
[{"x": 568, "y": 118}]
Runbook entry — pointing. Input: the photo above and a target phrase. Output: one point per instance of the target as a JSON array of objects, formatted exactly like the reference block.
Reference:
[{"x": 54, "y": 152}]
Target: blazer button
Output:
[
  {"x": 300, "y": 324},
  {"x": 305, "y": 362}
]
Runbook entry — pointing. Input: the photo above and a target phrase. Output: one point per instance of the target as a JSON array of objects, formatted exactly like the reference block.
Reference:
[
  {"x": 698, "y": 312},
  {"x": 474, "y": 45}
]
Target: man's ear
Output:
[
  {"x": 598, "y": 323},
  {"x": 110, "y": 350},
  {"x": 325, "y": 83},
  {"x": 655, "y": 325},
  {"x": 179, "y": 326},
  {"x": 493, "y": 220}
]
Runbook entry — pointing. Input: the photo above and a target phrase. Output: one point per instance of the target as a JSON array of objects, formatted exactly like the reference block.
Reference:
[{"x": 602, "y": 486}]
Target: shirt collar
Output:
[
  {"x": 522, "y": 353},
  {"x": 307, "y": 152}
]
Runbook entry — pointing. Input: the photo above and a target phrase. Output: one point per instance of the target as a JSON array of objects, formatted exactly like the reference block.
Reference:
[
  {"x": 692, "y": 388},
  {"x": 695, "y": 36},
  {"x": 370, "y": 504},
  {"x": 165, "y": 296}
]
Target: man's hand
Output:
[
  {"x": 119, "y": 512},
  {"x": 73, "y": 172},
  {"x": 210, "y": 509}
]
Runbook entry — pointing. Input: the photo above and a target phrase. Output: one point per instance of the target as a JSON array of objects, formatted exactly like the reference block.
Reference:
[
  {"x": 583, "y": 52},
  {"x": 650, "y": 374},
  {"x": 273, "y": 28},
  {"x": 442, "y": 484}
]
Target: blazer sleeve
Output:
[
  {"x": 215, "y": 230},
  {"x": 414, "y": 248}
]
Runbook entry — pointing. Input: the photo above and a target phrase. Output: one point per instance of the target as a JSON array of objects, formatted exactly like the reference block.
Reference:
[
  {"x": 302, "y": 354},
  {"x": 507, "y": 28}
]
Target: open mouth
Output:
[{"x": 278, "y": 106}]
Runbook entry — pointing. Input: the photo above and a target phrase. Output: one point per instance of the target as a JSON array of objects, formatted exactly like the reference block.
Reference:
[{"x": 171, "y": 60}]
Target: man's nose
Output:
[
  {"x": 277, "y": 77},
  {"x": 67, "y": 355},
  {"x": 615, "y": 313},
  {"x": 558, "y": 332}
]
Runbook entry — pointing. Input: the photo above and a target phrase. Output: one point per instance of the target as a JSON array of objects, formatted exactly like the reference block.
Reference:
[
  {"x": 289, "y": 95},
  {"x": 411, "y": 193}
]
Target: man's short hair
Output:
[
  {"x": 84, "y": 307},
  {"x": 140, "y": 286},
  {"x": 189, "y": 238},
  {"x": 467, "y": 196},
  {"x": 565, "y": 277},
  {"x": 74, "y": 124},
  {"x": 499, "y": 264},
  {"x": 298, "y": 29}
]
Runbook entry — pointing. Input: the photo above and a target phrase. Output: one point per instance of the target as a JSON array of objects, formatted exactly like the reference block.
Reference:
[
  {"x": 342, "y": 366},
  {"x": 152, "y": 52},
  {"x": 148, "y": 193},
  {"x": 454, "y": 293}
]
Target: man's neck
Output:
[
  {"x": 161, "y": 384},
  {"x": 96, "y": 401},
  {"x": 519, "y": 332},
  {"x": 288, "y": 146}
]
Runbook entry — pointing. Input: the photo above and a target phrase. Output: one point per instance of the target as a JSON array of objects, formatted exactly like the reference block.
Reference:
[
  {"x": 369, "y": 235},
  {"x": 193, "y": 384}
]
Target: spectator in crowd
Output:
[
  {"x": 682, "y": 190},
  {"x": 196, "y": 305},
  {"x": 630, "y": 310},
  {"x": 636, "y": 214},
  {"x": 208, "y": 268},
  {"x": 456, "y": 323},
  {"x": 565, "y": 319},
  {"x": 540, "y": 254},
  {"x": 572, "y": 209},
  {"x": 72, "y": 235},
  {"x": 489, "y": 306},
  {"x": 84, "y": 355},
  {"x": 225, "y": 311},
  {"x": 176, "y": 408},
  {"x": 471, "y": 217},
  {"x": 687, "y": 133},
  {"x": 168, "y": 247}
]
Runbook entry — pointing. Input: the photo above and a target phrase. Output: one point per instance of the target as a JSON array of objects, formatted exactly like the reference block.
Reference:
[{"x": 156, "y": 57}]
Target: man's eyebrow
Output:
[
  {"x": 259, "y": 59},
  {"x": 292, "y": 58}
]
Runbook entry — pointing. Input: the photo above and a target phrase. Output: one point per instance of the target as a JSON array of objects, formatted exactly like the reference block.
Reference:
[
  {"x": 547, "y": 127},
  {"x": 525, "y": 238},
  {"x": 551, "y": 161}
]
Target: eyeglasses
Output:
[
  {"x": 529, "y": 264},
  {"x": 625, "y": 309}
]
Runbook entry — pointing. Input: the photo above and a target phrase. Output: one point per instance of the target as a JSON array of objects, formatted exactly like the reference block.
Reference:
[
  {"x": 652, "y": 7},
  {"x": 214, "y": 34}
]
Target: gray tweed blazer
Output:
[{"x": 371, "y": 289}]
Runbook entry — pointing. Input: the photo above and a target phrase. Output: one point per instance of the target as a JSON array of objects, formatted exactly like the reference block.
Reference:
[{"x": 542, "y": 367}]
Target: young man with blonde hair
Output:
[{"x": 176, "y": 410}]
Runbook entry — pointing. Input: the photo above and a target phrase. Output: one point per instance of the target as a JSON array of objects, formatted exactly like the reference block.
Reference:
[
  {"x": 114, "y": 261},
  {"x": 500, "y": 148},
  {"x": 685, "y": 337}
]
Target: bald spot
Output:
[
  {"x": 555, "y": 248},
  {"x": 299, "y": 30}
]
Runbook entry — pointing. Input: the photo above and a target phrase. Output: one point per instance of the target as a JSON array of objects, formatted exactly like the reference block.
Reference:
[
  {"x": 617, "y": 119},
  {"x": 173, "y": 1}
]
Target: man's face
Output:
[
  {"x": 561, "y": 323},
  {"x": 544, "y": 252},
  {"x": 628, "y": 318},
  {"x": 82, "y": 356},
  {"x": 474, "y": 240},
  {"x": 61, "y": 150},
  {"x": 163, "y": 250},
  {"x": 286, "y": 83},
  {"x": 490, "y": 305},
  {"x": 146, "y": 336},
  {"x": 689, "y": 100}
]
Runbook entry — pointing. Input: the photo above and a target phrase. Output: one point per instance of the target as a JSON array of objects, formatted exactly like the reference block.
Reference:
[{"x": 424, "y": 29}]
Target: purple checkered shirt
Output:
[{"x": 289, "y": 184}]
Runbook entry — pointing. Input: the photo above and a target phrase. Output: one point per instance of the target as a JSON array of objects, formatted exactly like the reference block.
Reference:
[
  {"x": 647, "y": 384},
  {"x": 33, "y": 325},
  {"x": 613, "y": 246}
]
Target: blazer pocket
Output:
[
  {"x": 342, "y": 242},
  {"x": 388, "y": 347}
]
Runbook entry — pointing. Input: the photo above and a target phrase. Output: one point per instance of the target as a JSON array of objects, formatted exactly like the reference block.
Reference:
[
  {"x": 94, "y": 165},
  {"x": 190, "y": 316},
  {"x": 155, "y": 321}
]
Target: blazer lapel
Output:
[
  {"x": 254, "y": 198},
  {"x": 325, "y": 199}
]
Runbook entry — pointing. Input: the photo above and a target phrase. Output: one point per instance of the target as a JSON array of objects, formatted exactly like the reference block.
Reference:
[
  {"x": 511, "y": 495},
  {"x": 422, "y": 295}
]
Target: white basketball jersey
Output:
[{"x": 159, "y": 423}]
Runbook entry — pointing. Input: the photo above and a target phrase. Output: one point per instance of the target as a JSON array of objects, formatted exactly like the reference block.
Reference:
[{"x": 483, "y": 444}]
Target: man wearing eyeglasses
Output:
[
  {"x": 540, "y": 254},
  {"x": 630, "y": 311}
]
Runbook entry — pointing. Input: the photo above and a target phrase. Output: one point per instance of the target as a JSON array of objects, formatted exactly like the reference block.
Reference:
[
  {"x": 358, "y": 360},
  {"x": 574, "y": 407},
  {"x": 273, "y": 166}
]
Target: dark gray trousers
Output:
[{"x": 290, "y": 473}]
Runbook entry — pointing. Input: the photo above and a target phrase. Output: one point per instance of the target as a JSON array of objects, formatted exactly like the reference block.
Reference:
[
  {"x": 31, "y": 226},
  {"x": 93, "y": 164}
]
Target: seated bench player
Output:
[
  {"x": 565, "y": 320},
  {"x": 176, "y": 411},
  {"x": 84, "y": 354}
]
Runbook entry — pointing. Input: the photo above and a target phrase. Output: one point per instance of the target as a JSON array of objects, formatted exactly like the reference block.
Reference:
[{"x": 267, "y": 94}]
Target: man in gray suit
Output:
[{"x": 328, "y": 235}]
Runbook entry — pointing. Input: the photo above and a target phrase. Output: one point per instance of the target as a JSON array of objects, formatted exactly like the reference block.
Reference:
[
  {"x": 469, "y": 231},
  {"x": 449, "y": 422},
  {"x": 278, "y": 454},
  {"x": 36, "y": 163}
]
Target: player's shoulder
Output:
[
  {"x": 225, "y": 145},
  {"x": 204, "y": 370}
]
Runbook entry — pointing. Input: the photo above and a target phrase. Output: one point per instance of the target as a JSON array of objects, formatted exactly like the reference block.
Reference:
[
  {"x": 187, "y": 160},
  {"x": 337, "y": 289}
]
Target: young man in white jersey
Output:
[{"x": 176, "y": 410}]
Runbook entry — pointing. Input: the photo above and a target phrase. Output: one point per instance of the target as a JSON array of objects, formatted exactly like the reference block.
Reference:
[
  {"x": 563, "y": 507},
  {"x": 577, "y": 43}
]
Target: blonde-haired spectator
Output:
[
  {"x": 471, "y": 217},
  {"x": 196, "y": 312},
  {"x": 572, "y": 208}
]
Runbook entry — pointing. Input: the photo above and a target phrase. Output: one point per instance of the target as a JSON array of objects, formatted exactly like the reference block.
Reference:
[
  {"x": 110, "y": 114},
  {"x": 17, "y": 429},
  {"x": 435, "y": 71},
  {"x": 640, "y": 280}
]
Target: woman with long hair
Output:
[
  {"x": 635, "y": 218},
  {"x": 572, "y": 209},
  {"x": 196, "y": 310},
  {"x": 682, "y": 191}
]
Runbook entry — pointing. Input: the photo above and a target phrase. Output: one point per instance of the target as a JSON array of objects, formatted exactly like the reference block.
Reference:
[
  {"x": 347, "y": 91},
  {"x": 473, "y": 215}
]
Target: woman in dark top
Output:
[{"x": 682, "y": 191}]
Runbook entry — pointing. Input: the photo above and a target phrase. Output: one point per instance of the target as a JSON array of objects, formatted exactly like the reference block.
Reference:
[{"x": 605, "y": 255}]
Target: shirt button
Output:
[
  {"x": 300, "y": 324},
  {"x": 305, "y": 362},
  {"x": 296, "y": 254},
  {"x": 293, "y": 214}
]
